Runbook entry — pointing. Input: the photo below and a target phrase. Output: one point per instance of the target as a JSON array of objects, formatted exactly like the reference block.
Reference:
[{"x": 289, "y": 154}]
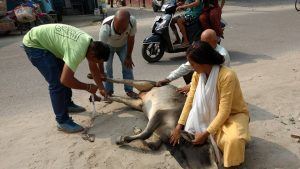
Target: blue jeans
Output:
[
  {"x": 51, "y": 67},
  {"x": 127, "y": 73}
]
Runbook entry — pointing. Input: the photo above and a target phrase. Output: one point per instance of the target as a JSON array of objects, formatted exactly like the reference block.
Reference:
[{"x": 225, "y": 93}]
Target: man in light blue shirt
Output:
[{"x": 185, "y": 69}]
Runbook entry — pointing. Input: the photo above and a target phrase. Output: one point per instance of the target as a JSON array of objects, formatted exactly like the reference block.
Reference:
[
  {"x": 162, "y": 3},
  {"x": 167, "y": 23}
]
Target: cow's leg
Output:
[
  {"x": 140, "y": 85},
  {"x": 155, "y": 143},
  {"x": 134, "y": 103},
  {"x": 148, "y": 131}
]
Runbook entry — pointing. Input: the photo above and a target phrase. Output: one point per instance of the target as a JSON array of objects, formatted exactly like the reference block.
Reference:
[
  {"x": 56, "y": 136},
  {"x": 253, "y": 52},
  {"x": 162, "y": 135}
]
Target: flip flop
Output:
[{"x": 88, "y": 137}]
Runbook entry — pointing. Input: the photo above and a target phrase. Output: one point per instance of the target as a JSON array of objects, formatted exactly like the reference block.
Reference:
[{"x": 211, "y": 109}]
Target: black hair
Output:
[
  {"x": 101, "y": 50},
  {"x": 202, "y": 53}
]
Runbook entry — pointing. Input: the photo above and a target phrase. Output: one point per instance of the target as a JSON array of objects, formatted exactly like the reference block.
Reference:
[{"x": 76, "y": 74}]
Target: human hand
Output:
[
  {"x": 129, "y": 63},
  {"x": 103, "y": 92},
  {"x": 200, "y": 137},
  {"x": 96, "y": 98},
  {"x": 185, "y": 89},
  {"x": 92, "y": 88},
  {"x": 162, "y": 82},
  {"x": 103, "y": 77},
  {"x": 175, "y": 135}
]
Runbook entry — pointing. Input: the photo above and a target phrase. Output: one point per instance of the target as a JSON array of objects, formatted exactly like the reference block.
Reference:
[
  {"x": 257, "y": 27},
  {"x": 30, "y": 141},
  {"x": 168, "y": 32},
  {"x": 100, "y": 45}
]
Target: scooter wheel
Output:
[{"x": 153, "y": 52}]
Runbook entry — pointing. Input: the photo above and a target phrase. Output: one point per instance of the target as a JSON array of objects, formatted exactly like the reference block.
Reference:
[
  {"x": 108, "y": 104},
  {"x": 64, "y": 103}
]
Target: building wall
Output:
[
  {"x": 88, "y": 7},
  {"x": 139, "y": 3}
]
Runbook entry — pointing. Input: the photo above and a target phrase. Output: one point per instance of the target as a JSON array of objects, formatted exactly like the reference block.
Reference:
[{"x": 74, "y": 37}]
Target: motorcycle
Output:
[
  {"x": 6, "y": 25},
  {"x": 25, "y": 16},
  {"x": 162, "y": 36}
]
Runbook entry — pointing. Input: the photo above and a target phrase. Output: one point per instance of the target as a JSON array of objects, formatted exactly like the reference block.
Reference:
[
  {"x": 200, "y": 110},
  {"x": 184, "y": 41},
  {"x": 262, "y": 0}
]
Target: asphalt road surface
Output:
[{"x": 252, "y": 34}]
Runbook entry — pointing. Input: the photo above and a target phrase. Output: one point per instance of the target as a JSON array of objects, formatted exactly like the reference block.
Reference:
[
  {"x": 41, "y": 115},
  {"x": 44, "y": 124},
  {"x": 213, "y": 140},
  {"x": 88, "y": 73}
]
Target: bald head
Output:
[
  {"x": 121, "y": 20},
  {"x": 210, "y": 37}
]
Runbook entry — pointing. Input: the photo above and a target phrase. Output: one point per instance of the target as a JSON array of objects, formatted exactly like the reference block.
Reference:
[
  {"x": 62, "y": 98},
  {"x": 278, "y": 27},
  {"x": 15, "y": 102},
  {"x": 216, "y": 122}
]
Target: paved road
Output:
[
  {"x": 258, "y": 33},
  {"x": 252, "y": 34}
]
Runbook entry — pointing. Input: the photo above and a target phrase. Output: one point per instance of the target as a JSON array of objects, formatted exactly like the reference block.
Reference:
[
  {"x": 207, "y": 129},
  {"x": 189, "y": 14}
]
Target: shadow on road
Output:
[
  {"x": 259, "y": 3},
  {"x": 171, "y": 60},
  {"x": 259, "y": 114},
  {"x": 239, "y": 58},
  {"x": 261, "y": 153},
  {"x": 236, "y": 58}
]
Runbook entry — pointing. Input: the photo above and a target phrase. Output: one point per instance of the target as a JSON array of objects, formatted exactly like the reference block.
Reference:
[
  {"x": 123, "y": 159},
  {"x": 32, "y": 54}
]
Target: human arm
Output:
[
  {"x": 128, "y": 60},
  {"x": 190, "y": 5},
  {"x": 175, "y": 135},
  {"x": 227, "y": 88},
  {"x": 97, "y": 72},
  {"x": 185, "y": 89},
  {"x": 67, "y": 78},
  {"x": 200, "y": 137},
  {"x": 130, "y": 43},
  {"x": 182, "y": 70}
]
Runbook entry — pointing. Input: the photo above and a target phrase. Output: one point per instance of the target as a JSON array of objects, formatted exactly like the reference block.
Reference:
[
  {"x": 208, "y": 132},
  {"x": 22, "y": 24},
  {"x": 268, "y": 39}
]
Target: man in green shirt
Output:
[{"x": 56, "y": 50}]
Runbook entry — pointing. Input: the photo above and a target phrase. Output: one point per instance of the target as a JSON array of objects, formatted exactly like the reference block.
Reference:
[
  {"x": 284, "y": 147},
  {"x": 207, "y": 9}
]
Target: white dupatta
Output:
[{"x": 204, "y": 108}]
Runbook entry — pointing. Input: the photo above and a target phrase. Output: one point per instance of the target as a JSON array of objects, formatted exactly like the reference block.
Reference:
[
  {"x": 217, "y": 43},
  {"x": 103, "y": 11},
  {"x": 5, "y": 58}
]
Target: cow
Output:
[{"x": 163, "y": 106}]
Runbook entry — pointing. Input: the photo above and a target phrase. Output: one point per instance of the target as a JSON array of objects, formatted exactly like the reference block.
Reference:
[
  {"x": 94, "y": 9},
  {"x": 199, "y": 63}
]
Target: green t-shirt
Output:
[
  {"x": 66, "y": 42},
  {"x": 194, "y": 11}
]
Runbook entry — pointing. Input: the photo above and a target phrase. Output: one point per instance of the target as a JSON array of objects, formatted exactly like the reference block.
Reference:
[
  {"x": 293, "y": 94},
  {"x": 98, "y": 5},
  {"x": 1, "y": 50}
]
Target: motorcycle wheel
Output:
[
  {"x": 297, "y": 5},
  {"x": 153, "y": 52}
]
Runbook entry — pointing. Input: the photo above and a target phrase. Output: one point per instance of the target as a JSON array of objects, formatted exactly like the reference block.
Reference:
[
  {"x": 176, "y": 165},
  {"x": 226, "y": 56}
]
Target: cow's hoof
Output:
[
  {"x": 120, "y": 141},
  {"x": 137, "y": 130},
  {"x": 153, "y": 146}
]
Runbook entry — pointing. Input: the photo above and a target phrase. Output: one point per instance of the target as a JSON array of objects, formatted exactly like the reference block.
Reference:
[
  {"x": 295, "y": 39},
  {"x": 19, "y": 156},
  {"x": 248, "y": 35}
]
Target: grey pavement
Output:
[
  {"x": 250, "y": 36},
  {"x": 254, "y": 33}
]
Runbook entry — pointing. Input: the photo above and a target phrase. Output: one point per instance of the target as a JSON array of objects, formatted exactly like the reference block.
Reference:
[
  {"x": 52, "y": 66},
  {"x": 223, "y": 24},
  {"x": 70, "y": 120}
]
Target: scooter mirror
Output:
[{"x": 163, "y": 8}]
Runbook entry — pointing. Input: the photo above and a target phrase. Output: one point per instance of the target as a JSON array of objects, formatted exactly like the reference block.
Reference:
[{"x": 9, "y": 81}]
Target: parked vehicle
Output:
[
  {"x": 297, "y": 5},
  {"x": 6, "y": 25},
  {"x": 160, "y": 41},
  {"x": 26, "y": 16}
]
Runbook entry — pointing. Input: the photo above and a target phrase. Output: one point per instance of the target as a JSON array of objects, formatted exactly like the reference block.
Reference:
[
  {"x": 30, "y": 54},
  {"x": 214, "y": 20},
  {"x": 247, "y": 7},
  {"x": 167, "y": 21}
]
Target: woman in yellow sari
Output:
[{"x": 216, "y": 108}]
